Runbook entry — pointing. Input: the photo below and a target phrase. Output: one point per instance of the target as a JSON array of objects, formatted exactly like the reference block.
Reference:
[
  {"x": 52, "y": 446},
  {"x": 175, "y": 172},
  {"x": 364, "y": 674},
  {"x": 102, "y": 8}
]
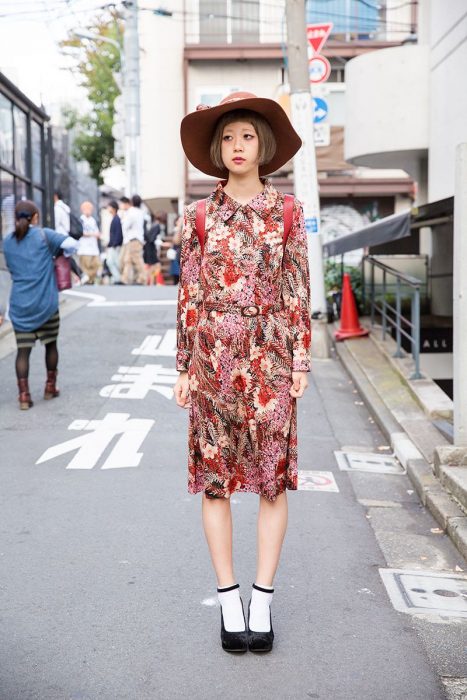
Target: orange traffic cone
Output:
[
  {"x": 160, "y": 278},
  {"x": 350, "y": 326}
]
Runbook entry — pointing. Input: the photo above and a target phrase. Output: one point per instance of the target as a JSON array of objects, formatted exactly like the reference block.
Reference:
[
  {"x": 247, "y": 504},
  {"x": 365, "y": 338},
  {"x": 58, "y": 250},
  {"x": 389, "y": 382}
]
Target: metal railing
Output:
[{"x": 392, "y": 316}]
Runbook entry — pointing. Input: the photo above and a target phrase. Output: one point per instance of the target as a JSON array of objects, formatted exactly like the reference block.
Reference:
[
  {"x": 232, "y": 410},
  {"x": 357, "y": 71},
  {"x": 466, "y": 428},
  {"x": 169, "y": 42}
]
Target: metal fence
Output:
[{"x": 392, "y": 316}]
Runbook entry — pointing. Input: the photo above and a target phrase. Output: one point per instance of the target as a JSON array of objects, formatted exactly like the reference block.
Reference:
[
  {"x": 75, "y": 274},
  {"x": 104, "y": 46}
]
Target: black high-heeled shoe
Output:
[
  {"x": 260, "y": 641},
  {"x": 234, "y": 641}
]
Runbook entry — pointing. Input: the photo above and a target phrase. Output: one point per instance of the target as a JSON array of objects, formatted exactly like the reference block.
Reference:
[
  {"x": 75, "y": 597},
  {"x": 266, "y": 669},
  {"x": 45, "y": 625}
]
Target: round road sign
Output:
[{"x": 319, "y": 69}]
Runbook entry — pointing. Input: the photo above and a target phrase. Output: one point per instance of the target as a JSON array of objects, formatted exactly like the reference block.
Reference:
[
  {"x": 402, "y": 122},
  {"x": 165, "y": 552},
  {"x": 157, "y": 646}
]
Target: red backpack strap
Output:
[
  {"x": 200, "y": 222},
  {"x": 288, "y": 216}
]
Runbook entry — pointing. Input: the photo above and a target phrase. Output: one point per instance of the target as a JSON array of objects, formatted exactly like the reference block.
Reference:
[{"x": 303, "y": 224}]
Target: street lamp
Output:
[{"x": 99, "y": 37}]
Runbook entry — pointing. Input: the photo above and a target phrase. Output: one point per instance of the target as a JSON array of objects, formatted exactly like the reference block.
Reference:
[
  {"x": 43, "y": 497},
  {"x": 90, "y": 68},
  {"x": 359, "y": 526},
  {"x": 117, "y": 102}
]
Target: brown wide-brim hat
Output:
[{"x": 197, "y": 130}]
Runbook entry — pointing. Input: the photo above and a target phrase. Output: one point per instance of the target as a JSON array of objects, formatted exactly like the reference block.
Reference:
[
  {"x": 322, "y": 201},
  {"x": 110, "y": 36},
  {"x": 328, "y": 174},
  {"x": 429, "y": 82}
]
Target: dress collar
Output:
[{"x": 222, "y": 205}]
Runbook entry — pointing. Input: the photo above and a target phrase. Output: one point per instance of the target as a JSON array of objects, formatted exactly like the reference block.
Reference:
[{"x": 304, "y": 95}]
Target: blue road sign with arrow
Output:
[{"x": 320, "y": 111}]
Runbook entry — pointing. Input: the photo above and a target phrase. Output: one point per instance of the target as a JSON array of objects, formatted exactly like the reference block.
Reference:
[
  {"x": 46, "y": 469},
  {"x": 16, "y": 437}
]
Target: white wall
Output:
[
  {"x": 161, "y": 66},
  {"x": 387, "y": 108},
  {"x": 448, "y": 91}
]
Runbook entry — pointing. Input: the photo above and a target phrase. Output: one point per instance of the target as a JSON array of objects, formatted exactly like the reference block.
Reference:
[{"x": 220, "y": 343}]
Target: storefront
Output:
[
  {"x": 23, "y": 155},
  {"x": 24, "y": 165}
]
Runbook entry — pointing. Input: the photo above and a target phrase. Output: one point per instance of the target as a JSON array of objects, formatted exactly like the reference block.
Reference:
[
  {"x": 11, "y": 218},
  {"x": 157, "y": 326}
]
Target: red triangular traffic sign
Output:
[{"x": 317, "y": 35}]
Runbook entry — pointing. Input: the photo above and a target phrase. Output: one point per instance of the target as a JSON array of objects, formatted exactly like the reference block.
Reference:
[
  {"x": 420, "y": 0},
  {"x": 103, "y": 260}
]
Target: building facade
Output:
[
  {"x": 407, "y": 108},
  {"x": 203, "y": 50},
  {"x": 24, "y": 154},
  {"x": 25, "y": 162}
]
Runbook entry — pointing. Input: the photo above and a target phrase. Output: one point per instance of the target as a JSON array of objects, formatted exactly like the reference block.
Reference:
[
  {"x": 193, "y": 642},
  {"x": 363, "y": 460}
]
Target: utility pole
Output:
[
  {"x": 305, "y": 173},
  {"x": 460, "y": 300},
  {"x": 131, "y": 92}
]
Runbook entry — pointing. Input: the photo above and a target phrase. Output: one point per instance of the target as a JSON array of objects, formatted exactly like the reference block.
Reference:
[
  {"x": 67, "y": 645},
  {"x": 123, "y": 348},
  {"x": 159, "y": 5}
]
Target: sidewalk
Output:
[{"x": 407, "y": 411}]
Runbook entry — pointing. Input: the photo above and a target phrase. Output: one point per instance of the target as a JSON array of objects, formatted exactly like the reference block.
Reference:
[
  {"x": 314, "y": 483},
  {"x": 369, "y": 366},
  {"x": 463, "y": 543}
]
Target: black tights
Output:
[{"x": 22, "y": 360}]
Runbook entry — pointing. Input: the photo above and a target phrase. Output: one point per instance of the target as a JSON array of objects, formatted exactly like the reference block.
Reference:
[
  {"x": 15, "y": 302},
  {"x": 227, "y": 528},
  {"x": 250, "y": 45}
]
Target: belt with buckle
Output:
[{"x": 250, "y": 310}]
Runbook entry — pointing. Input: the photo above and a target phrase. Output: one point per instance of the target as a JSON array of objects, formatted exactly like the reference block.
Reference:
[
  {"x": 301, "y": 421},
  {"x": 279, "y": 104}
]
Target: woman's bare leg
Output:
[
  {"x": 217, "y": 522},
  {"x": 272, "y": 526}
]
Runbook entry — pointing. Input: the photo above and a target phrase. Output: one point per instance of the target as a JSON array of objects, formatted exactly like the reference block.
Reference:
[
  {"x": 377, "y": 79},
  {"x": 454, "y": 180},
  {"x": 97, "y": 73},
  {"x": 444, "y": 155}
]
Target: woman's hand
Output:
[
  {"x": 182, "y": 391},
  {"x": 299, "y": 384}
]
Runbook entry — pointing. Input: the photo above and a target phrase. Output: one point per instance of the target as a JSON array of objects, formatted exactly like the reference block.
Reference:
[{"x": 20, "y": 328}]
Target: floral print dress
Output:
[{"x": 242, "y": 419}]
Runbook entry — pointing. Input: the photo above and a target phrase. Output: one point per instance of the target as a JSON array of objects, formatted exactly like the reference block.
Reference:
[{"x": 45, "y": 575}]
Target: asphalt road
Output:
[{"x": 106, "y": 588}]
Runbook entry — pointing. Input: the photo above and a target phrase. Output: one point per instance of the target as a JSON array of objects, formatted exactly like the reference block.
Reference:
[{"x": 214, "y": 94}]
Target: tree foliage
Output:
[{"x": 98, "y": 63}]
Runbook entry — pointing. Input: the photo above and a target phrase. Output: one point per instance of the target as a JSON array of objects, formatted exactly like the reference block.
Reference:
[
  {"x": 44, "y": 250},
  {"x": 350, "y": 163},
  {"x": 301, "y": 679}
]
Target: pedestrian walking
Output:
[
  {"x": 88, "y": 250},
  {"x": 133, "y": 241},
  {"x": 243, "y": 341},
  {"x": 114, "y": 247},
  {"x": 29, "y": 251},
  {"x": 61, "y": 214},
  {"x": 67, "y": 223},
  {"x": 150, "y": 253},
  {"x": 173, "y": 253}
]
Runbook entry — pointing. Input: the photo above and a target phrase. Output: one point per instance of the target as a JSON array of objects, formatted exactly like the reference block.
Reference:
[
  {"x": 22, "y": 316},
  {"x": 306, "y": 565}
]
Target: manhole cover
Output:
[
  {"x": 426, "y": 592},
  {"x": 316, "y": 481},
  {"x": 368, "y": 462}
]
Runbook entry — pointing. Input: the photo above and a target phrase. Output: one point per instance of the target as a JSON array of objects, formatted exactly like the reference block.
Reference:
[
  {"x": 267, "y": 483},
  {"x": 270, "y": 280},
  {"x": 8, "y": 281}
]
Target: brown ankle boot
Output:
[
  {"x": 51, "y": 390},
  {"x": 24, "y": 397}
]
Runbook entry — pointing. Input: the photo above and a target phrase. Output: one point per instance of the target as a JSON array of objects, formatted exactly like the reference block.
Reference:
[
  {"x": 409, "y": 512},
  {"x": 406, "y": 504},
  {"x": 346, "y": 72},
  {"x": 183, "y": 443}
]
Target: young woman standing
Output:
[{"x": 243, "y": 341}]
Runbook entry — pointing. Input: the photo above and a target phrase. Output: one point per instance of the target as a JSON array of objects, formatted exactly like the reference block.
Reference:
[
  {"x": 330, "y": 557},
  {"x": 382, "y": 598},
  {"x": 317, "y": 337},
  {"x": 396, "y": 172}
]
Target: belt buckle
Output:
[{"x": 250, "y": 307}]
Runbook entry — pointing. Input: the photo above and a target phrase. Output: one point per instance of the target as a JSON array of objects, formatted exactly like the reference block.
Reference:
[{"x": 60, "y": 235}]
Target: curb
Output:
[{"x": 429, "y": 488}]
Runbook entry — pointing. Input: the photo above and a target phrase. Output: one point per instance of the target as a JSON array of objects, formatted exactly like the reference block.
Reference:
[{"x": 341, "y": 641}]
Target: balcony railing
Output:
[{"x": 237, "y": 22}]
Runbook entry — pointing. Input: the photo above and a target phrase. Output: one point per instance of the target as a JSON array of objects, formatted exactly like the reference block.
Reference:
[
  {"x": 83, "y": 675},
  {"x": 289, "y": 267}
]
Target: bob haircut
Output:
[{"x": 267, "y": 141}]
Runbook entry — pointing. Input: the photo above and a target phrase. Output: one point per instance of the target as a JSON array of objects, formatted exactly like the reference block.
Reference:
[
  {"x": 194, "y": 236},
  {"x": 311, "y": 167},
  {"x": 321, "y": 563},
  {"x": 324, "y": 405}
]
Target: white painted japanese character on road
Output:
[
  {"x": 155, "y": 345},
  {"x": 99, "y": 434},
  {"x": 137, "y": 382}
]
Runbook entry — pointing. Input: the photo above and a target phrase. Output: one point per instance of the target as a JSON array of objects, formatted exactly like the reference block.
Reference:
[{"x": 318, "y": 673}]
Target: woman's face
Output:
[{"x": 240, "y": 148}]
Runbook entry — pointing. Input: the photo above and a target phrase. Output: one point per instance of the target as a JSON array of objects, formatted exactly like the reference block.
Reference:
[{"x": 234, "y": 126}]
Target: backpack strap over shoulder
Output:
[
  {"x": 200, "y": 222},
  {"x": 288, "y": 216}
]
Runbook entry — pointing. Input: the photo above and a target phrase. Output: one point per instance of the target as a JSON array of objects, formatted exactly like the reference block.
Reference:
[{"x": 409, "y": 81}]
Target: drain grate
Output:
[
  {"x": 316, "y": 481},
  {"x": 368, "y": 462},
  {"x": 426, "y": 592}
]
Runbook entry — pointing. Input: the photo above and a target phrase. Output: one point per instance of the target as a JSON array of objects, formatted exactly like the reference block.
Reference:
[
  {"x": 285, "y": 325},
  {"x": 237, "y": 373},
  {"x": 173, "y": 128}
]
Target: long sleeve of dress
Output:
[
  {"x": 296, "y": 290},
  {"x": 188, "y": 289}
]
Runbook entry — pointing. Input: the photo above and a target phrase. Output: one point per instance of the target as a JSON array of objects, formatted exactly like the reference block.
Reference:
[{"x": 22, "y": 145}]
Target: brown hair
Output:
[
  {"x": 267, "y": 141},
  {"x": 24, "y": 211}
]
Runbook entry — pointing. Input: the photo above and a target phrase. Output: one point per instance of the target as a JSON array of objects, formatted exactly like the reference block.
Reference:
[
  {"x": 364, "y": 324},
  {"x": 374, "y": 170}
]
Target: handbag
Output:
[{"x": 62, "y": 268}]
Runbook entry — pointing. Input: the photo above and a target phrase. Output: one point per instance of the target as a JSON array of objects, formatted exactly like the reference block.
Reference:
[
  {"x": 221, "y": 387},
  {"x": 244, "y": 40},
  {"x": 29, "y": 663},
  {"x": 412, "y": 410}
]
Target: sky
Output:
[{"x": 30, "y": 56}]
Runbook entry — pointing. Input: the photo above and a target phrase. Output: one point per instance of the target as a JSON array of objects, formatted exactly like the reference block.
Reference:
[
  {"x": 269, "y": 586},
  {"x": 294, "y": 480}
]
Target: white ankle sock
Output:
[
  {"x": 261, "y": 599},
  {"x": 232, "y": 610}
]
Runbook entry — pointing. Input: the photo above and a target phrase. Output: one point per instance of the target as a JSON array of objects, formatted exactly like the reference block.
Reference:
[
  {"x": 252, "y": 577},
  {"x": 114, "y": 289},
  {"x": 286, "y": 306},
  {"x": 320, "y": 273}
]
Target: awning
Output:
[{"x": 390, "y": 228}]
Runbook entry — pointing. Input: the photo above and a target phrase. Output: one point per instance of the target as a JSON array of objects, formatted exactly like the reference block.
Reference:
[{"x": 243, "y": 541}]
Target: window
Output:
[
  {"x": 38, "y": 197},
  {"x": 229, "y": 21},
  {"x": 350, "y": 18},
  {"x": 213, "y": 21},
  {"x": 7, "y": 209},
  {"x": 6, "y": 132},
  {"x": 21, "y": 140},
  {"x": 21, "y": 190},
  {"x": 245, "y": 22},
  {"x": 36, "y": 147}
]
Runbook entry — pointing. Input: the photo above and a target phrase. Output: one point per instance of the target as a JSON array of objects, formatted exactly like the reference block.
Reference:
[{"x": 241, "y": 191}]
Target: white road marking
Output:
[
  {"x": 137, "y": 382},
  {"x": 316, "y": 481},
  {"x": 155, "y": 345},
  {"x": 91, "y": 446},
  {"x": 98, "y": 300}
]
